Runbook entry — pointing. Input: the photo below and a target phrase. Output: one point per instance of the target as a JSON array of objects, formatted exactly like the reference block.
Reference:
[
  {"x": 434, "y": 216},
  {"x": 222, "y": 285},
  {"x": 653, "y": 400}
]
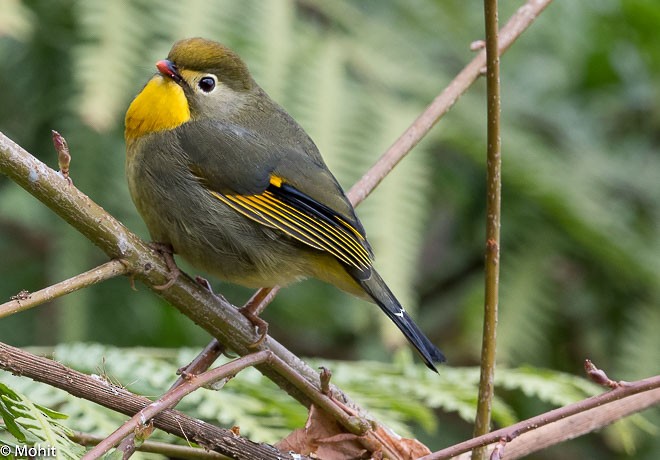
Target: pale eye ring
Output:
[{"x": 207, "y": 83}]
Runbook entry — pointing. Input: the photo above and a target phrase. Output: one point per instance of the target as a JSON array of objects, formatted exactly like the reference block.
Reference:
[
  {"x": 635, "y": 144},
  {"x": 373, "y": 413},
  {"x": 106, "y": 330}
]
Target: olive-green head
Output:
[
  {"x": 199, "y": 56},
  {"x": 200, "y": 79}
]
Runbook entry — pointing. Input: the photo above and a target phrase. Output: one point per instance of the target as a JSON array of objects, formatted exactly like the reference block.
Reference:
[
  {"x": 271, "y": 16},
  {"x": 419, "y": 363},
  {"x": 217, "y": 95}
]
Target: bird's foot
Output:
[
  {"x": 167, "y": 252},
  {"x": 260, "y": 324},
  {"x": 250, "y": 311}
]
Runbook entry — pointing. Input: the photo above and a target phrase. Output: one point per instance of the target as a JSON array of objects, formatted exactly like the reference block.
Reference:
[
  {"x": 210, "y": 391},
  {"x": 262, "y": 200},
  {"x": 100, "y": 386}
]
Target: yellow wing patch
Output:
[{"x": 337, "y": 237}]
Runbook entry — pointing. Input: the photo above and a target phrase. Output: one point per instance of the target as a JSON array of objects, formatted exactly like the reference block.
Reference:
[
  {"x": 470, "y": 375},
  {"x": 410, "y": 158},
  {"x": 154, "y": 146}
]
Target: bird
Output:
[{"x": 227, "y": 179}]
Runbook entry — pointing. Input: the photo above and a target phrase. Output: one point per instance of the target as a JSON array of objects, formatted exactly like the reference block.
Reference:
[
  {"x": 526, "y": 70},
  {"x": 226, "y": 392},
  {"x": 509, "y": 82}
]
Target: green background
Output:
[{"x": 581, "y": 181}]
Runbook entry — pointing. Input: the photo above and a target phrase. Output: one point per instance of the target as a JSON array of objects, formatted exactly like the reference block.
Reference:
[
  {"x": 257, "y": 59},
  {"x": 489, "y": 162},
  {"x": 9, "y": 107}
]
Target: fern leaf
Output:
[{"x": 34, "y": 424}]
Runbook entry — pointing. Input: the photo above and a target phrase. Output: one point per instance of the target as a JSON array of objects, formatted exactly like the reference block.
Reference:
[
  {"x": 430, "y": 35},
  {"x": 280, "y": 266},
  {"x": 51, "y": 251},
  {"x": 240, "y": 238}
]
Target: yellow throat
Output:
[{"x": 160, "y": 106}]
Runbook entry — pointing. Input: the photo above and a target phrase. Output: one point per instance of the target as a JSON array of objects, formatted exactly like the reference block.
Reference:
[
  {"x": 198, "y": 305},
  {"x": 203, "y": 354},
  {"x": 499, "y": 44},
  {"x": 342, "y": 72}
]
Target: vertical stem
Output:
[{"x": 492, "y": 256}]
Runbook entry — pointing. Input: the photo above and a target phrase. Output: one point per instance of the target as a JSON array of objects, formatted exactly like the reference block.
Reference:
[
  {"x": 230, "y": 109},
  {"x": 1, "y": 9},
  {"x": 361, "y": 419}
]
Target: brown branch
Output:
[
  {"x": 493, "y": 215},
  {"x": 172, "y": 397},
  {"x": 580, "y": 424},
  {"x": 119, "y": 399},
  {"x": 26, "y": 300},
  {"x": 260, "y": 300},
  {"x": 588, "y": 410}
]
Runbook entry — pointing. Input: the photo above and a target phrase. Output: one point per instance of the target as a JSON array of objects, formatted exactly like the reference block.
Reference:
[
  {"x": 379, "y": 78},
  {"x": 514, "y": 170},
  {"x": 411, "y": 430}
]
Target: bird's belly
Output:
[{"x": 238, "y": 250}]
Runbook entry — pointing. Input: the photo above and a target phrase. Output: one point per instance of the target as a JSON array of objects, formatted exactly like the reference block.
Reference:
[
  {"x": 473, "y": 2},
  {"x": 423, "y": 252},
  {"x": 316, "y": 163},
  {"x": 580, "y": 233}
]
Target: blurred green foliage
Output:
[
  {"x": 581, "y": 208},
  {"x": 405, "y": 397}
]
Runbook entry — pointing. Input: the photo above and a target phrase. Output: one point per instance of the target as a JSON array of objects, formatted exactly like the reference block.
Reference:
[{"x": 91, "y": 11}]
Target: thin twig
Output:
[
  {"x": 172, "y": 398},
  {"x": 650, "y": 385},
  {"x": 493, "y": 215},
  {"x": 202, "y": 361},
  {"x": 167, "y": 450},
  {"x": 580, "y": 424},
  {"x": 26, "y": 300}
]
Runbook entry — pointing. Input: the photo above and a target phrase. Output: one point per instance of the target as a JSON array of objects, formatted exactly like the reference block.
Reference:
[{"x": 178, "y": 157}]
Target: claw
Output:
[
  {"x": 260, "y": 324},
  {"x": 167, "y": 252},
  {"x": 173, "y": 276}
]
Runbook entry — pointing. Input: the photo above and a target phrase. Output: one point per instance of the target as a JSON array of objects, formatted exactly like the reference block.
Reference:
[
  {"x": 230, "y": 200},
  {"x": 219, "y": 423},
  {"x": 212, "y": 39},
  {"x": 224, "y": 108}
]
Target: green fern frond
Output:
[
  {"x": 407, "y": 392},
  {"x": 33, "y": 424},
  {"x": 549, "y": 386}
]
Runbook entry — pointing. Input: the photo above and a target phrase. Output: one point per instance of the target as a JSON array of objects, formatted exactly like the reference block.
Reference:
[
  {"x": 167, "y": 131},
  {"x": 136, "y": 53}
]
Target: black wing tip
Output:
[{"x": 433, "y": 357}]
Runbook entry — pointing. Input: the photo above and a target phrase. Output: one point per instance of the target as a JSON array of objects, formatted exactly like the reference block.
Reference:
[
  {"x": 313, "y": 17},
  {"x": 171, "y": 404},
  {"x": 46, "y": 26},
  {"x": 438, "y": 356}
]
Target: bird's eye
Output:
[{"x": 207, "y": 84}]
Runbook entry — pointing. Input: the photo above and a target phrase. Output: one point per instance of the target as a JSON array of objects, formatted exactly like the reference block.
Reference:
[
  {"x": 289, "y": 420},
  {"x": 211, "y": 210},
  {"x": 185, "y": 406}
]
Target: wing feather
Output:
[{"x": 283, "y": 207}]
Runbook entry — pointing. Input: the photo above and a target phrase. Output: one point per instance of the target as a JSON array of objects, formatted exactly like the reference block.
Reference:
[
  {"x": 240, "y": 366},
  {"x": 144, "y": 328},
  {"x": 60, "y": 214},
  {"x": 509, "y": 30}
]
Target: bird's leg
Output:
[
  {"x": 167, "y": 252},
  {"x": 251, "y": 309},
  {"x": 254, "y": 307}
]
